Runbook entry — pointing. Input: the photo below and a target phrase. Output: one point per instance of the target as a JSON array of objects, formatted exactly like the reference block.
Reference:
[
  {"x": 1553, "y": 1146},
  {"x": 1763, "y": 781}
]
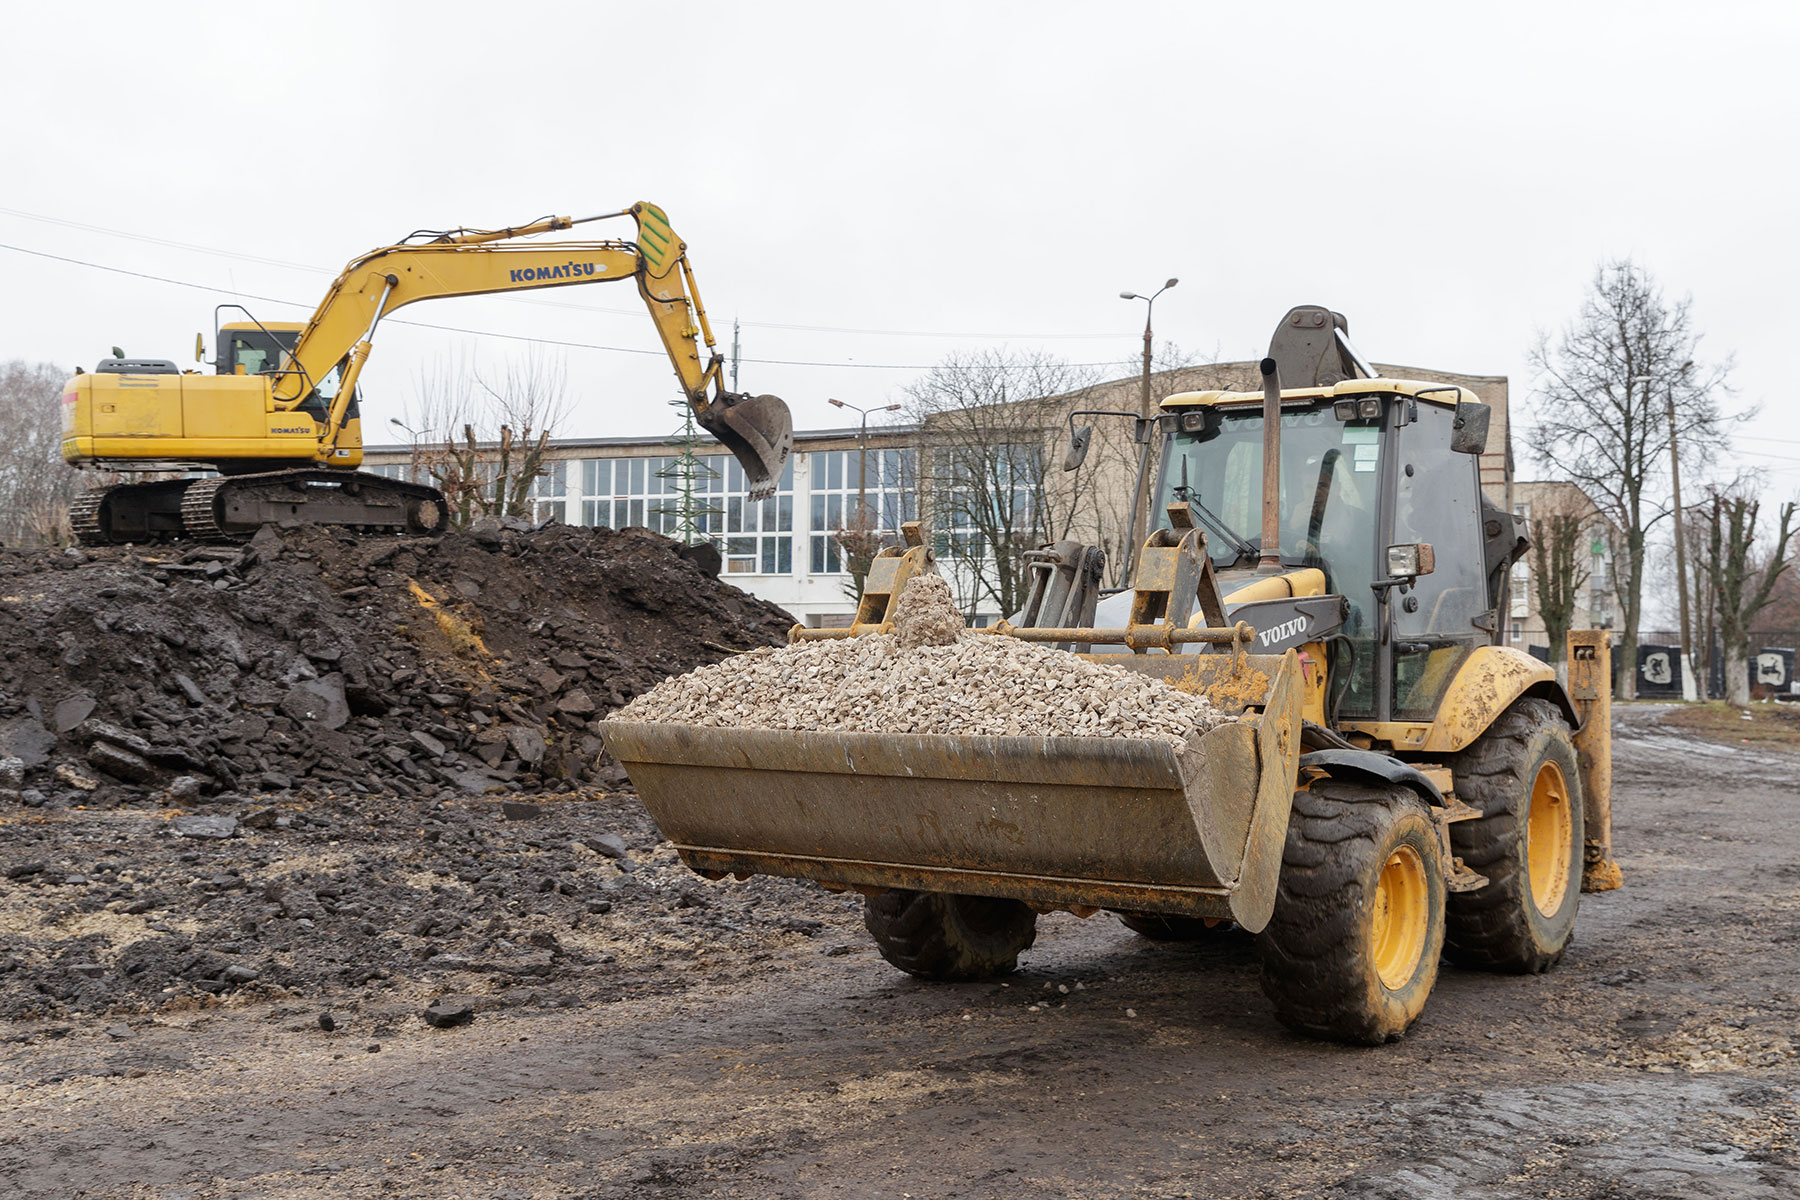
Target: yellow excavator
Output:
[
  {"x": 1396, "y": 784},
  {"x": 279, "y": 422}
]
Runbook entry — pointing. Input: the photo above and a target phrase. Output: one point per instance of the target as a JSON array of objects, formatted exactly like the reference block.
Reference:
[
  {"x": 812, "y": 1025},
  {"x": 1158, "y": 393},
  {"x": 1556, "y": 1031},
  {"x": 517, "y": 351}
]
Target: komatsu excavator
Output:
[
  {"x": 279, "y": 422},
  {"x": 1395, "y": 783}
]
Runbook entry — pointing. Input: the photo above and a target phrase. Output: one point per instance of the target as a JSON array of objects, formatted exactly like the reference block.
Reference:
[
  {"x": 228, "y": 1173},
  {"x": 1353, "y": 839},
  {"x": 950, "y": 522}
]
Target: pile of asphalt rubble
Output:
[
  {"x": 315, "y": 761},
  {"x": 318, "y": 662}
]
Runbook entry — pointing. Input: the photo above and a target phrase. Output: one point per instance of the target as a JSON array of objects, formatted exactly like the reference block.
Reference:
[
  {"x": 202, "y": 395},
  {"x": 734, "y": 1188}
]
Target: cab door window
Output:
[{"x": 1437, "y": 500}]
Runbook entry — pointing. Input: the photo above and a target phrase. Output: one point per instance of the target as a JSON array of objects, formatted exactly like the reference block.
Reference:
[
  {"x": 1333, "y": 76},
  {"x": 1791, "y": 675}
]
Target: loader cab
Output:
[{"x": 1365, "y": 465}]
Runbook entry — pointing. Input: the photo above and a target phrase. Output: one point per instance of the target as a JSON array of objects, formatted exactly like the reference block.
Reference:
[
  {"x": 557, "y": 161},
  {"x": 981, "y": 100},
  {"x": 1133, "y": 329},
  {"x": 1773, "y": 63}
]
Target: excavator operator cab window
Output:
[{"x": 253, "y": 350}]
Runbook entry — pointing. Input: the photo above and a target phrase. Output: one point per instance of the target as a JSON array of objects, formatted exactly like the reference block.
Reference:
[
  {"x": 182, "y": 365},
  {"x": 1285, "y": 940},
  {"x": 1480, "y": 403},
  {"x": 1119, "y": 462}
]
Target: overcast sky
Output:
[{"x": 871, "y": 187}]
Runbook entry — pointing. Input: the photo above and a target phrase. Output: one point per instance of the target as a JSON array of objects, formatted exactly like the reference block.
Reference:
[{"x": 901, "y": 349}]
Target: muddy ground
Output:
[{"x": 646, "y": 1034}]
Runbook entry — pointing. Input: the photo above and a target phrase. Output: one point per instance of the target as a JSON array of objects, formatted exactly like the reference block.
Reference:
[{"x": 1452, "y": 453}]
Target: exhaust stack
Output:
[{"x": 1271, "y": 472}]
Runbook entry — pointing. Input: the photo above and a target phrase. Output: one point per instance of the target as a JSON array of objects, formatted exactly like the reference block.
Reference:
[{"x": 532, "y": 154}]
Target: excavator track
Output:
[
  {"x": 238, "y": 505},
  {"x": 129, "y": 512},
  {"x": 84, "y": 518}
]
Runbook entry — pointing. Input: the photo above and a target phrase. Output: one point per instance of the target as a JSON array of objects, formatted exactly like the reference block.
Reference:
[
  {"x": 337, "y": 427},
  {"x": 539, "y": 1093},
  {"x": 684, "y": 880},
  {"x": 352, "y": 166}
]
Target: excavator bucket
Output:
[
  {"x": 759, "y": 432},
  {"x": 1138, "y": 826}
]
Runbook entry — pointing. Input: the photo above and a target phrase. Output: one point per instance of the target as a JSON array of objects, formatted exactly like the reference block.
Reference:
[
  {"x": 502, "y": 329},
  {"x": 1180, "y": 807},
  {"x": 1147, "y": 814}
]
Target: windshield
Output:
[
  {"x": 256, "y": 351},
  {"x": 1329, "y": 470},
  {"x": 1327, "y": 504}
]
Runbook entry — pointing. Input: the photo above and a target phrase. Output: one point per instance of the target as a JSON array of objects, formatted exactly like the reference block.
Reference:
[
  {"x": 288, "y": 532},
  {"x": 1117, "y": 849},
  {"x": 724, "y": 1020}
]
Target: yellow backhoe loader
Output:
[
  {"x": 279, "y": 422},
  {"x": 1397, "y": 787}
]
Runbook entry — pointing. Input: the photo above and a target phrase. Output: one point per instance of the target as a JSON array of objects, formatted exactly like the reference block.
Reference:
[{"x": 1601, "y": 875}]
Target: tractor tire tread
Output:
[
  {"x": 1489, "y": 928},
  {"x": 943, "y": 936},
  {"x": 1316, "y": 966}
]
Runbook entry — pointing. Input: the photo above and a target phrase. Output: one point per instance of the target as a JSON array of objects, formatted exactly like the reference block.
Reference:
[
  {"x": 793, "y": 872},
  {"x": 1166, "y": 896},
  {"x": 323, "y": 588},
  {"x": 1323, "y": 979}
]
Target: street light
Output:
[
  {"x": 862, "y": 453},
  {"x": 1681, "y": 575},
  {"x": 1140, "y": 500}
]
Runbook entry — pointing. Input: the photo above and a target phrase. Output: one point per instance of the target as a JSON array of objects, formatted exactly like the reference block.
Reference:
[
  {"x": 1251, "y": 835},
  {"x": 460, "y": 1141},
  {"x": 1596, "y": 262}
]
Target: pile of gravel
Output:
[{"x": 932, "y": 676}]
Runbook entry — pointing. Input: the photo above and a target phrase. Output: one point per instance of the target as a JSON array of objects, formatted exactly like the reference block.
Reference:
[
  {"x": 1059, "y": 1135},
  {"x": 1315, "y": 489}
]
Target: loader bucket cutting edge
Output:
[
  {"x": 759, "y": 432},
  {"x": 1065, "y": 822}
]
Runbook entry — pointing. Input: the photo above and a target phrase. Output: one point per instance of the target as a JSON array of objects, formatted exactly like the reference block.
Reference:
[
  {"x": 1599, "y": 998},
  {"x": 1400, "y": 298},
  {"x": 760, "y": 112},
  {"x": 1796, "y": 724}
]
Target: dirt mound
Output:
[
  {"x": 319, "y": 663},
  {"x": 372, "y": 900}
]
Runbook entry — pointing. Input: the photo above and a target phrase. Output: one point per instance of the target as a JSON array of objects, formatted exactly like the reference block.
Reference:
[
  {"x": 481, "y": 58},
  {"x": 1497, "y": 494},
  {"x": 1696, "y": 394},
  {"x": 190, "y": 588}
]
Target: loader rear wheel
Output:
[
  {"x": 941, "y": 935},
  {"x": 1175, "y": 929},
  {"x": 1351, "y": 952},
  {"x": 1523, "y": 776}
]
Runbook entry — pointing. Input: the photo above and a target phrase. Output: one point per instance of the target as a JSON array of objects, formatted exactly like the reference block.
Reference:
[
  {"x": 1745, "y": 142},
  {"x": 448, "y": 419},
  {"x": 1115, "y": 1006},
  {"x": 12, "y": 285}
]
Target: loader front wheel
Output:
[
  {"x": 1523, "y": 776},
  {"x": 941, "y": 935},
  {"x": 1351, "y": 952}
]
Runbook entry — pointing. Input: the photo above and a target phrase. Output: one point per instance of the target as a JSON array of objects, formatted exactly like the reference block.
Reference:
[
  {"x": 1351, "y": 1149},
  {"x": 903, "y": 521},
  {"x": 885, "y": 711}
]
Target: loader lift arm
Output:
[{"x": 757, "y": 430}]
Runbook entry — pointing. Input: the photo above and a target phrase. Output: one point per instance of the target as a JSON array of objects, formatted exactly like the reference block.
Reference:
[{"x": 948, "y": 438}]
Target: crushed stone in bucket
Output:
[{"x": 932, "y": 675}]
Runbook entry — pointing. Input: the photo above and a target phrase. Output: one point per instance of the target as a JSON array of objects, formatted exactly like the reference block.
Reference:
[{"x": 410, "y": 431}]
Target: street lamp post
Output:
[
  {"x": 862, "y": 453},
  {"x": 1681, "y": 573},
  {"x": 1140, "y": 500}
]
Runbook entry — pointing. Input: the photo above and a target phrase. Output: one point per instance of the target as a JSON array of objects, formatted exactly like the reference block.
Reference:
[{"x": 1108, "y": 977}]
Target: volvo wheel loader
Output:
[
  {"x": 280, "y": 421},
  {"x": 1397, "y": 785}
]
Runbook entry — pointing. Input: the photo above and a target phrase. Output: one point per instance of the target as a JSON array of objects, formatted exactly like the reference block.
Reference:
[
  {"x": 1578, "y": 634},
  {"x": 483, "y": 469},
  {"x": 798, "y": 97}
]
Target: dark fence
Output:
[{"x": 1772, "y": 665}]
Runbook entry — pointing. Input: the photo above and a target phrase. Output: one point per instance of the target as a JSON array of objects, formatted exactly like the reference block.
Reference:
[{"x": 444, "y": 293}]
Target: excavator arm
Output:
[{"x": 757, "y": 430}]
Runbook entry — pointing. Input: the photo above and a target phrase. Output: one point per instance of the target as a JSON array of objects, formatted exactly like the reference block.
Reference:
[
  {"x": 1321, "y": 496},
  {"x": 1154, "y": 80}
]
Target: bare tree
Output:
[
  {"x": 480, "y": 436},
  {"x": 1743, "y": 582},
  {"x": 993, "y": 427},
  {"x": 1602, "y": 389},
  {"x": 36, "y": 485},
  {"x": 1558, "y": 572}
]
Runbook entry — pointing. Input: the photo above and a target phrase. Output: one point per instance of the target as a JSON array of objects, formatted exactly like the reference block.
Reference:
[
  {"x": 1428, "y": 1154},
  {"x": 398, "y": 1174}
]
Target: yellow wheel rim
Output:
[
  {"x": 1401, "y": 896},
  {"x": 1549, "y": 830}
]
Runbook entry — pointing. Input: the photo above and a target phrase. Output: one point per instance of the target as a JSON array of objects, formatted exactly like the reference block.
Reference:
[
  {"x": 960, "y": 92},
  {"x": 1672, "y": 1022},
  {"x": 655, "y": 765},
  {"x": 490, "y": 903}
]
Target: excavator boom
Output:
[{"x": 757, "y": 430}]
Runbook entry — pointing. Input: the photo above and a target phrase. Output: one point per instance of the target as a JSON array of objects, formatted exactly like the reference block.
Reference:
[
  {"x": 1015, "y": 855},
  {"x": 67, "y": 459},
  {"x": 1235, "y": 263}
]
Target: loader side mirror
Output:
[
  {"x": 1078, "y": 447},
  {"x": 1469, "y": 429},
  {"x": 1410, "y": 561},
  {"x": 199, "y": 347}
]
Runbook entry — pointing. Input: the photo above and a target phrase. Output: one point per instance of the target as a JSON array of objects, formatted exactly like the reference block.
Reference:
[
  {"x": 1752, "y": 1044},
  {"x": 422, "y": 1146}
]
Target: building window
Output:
[
  {"x": 1521, "y": 591},
  {"x": 755, "y": 537},
  {"x": 985, "y": 493},
  {"x": 836, "y": 484},
  {"x": 1518, "y": 632},
  {"x": 549, "y": 492}
]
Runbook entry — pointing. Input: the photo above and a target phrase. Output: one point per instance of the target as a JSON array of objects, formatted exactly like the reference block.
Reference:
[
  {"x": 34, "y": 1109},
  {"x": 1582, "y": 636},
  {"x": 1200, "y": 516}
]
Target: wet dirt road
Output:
[{"x": 1659, "y": 1060}]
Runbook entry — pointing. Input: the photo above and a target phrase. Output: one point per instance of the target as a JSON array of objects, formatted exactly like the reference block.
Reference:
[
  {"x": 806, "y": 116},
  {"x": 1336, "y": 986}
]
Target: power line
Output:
[
  {"x": 513, "y": 337},
  {"x": 277, "y": 262}
]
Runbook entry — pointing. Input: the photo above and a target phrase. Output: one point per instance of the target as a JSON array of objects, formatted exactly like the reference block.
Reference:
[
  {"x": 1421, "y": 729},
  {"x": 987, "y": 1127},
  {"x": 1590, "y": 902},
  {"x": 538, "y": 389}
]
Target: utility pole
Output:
[
  {"x": 1681, "y": 571},
  {"x": 1140, "y": 501},
  {"x": 734, "y": 353}
]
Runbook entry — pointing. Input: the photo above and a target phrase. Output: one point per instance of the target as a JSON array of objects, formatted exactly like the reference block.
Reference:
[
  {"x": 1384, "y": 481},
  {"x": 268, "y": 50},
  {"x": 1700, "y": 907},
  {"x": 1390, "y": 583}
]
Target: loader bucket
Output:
[
  {"x": 1058, "y": 822},
  {"x": 759, "y": 432}
]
